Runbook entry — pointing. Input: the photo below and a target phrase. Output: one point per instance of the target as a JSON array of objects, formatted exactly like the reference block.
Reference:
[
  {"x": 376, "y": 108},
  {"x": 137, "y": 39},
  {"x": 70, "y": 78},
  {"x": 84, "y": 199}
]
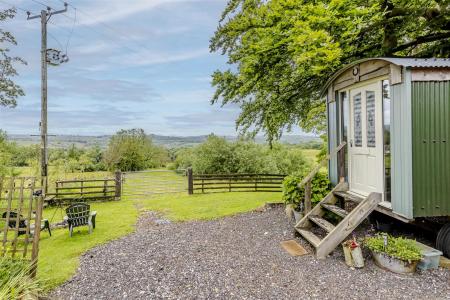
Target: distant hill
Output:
[{"x": 63, "y": 141}]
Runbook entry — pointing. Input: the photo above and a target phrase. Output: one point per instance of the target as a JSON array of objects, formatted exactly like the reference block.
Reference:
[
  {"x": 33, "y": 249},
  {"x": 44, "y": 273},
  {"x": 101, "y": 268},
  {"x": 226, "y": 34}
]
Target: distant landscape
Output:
[{"x": 63, "y": 141}]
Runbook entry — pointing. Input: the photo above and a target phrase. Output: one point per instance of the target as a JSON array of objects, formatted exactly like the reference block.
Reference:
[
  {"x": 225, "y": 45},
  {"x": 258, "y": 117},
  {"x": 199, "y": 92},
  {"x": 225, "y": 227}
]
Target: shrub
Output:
[
  {"x": 320, "y": 187},
  {"x": 133, "y": 150},
  {"x": 219, "y": 156},
  {"x": 397, "y": 247}
]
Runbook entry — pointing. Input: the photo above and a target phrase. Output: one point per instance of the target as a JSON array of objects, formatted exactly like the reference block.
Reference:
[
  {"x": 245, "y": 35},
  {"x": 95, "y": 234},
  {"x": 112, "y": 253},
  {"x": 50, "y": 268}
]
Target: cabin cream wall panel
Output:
[
  {"x": 430, "y": 74},
  {"x": 401, "y": 147}
]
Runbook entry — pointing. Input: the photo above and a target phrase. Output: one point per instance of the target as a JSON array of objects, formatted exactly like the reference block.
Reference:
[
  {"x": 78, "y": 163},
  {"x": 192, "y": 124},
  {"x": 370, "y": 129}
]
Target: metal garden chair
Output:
[
  {"x": 79, "y": 214},
  {"x": 13, "y": 219}
]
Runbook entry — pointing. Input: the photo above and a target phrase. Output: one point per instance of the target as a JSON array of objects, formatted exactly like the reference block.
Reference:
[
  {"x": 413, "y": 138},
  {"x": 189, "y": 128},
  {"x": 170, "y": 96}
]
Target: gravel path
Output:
[{"x": 233, "y": 258}]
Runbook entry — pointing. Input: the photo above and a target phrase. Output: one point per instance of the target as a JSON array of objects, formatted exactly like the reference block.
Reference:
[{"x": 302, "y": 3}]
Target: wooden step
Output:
[
  {"x": 347, "y": 225},
  {"x": 349, "y": 197},
  {"x": 336, "y": 210},
  {"x": 309, "y": 236},
  {"x": 322, "y": 223}
]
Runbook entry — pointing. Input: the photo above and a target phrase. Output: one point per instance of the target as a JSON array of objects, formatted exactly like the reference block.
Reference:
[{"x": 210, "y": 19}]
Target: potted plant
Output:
[{"x": 396, "y": 254}]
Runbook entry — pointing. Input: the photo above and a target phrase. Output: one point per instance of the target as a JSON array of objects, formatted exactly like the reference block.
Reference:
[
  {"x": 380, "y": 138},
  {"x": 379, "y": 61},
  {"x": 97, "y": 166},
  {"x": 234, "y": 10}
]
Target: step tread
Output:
[
  {"x": 336, "y": 210},
  {"x": 322, "y": 223},
  {"x": 309, "y": 236},
  {"x": 348, "y": 196}
]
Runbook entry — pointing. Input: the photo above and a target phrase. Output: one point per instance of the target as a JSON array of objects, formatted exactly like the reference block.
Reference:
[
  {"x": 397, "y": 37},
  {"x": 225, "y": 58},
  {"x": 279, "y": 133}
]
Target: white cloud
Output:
[
  {"x": 145, "y": 58},
  {"x": 111, "y": 10}
]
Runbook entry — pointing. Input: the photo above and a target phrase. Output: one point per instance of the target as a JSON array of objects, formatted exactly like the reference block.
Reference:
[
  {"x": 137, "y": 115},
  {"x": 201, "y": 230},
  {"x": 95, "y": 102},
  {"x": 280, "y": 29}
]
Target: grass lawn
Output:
[
  {"x": 183, "y": 207},
  {"x": 59, "y": 254}
]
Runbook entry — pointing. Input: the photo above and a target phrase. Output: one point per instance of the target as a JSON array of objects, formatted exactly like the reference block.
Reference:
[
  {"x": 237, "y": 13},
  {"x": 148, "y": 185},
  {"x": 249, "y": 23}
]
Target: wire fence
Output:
[{"x": 153, "y": 182}]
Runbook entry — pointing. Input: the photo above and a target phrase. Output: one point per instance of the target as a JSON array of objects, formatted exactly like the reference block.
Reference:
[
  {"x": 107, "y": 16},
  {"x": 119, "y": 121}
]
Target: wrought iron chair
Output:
[
  {"x": 79, "y": 214},
  {"x": 23, "y": 224}
]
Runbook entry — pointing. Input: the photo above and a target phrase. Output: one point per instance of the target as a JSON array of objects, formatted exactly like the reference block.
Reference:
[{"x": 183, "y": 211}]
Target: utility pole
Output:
[{"x": 45, "y": 16}]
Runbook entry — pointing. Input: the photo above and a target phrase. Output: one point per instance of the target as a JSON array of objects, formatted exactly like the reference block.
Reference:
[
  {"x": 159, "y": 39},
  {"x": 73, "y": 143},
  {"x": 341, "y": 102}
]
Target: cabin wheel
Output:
[{"x": 443, "y": 240}]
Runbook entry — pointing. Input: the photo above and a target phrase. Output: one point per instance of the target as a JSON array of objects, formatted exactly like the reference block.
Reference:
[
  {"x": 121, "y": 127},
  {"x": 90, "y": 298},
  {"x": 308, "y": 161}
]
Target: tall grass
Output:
[{"x": 15, "y": 279}]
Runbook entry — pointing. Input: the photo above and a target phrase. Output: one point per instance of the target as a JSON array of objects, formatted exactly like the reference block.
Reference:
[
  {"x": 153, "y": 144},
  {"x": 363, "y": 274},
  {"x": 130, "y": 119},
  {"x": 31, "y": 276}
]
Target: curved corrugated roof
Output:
[{"x": 404, "y": 62}]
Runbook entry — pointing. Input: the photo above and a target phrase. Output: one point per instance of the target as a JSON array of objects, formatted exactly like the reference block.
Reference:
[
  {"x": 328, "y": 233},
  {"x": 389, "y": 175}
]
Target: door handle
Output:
[{"x": 351, "y": 143}]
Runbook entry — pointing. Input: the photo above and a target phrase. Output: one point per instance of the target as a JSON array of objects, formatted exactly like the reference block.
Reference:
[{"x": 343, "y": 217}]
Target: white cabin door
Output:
[{"x": 366, "y": 140}]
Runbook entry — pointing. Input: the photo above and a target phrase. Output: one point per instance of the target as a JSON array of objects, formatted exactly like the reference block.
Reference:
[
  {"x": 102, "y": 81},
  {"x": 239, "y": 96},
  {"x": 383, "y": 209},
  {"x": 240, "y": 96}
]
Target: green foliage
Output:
[
  {"x": 282, "y": 52},
  {"x": 9, "y": 91},
  {"x": 15, "y": 281},
  {"x": 320, "y": 187},
  {"x": 8, "y": 152},
  {"x": 397, "y": 247},
  {"x": 216, "y": 155},
  {"x": 133, "y": 150},
  {"x": 76, "y": 159}
]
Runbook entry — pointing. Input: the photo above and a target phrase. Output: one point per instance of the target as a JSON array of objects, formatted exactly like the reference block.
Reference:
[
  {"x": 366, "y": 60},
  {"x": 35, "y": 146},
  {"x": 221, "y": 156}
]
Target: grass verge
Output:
[{"x": 182, "y": 207}]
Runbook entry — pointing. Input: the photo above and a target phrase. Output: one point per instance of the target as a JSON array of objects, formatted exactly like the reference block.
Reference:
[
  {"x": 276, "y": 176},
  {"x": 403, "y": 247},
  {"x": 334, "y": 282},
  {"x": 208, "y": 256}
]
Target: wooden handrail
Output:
[{"x": 306, "y": 182}]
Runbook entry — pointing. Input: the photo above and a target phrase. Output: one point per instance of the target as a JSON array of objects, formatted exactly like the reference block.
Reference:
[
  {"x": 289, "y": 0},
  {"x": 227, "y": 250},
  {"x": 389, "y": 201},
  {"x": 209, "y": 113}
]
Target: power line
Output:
[
  {"x": 14, "y": 6},
  {"x": 71, "y": 31},
  {"x": 112, "y": 39},
  {"x": 45, "y": 4},
  {"x": 56, "y": 40},
  {"x": 38, "y": 2},
  {"x": 115, "y": 31}
]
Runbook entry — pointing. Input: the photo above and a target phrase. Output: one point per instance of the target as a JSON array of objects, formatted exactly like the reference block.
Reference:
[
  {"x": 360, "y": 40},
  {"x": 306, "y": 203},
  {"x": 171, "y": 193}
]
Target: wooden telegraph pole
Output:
[{"x": 45, "y": 16}]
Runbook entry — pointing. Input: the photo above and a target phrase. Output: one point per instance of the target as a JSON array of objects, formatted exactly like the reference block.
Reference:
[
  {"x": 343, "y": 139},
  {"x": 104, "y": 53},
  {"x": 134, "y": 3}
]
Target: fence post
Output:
[
  {"x": 118, "y": 181},
  {"x": 308, "y": 197},
  {"x": 105, "y": 188},
  {"x": 37, "y": 235},
  {"x": 190, "y": 181}
]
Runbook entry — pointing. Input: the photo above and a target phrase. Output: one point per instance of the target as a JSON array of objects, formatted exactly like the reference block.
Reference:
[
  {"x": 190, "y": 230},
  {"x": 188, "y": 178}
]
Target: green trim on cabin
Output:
[{"x": 431, "y": 148}]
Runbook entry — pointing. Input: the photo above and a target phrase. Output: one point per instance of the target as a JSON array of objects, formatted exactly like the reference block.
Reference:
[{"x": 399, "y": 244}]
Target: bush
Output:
[
  {"x": 401, "y": 248},
  {"x": 320, "y": 187},
  {"x": 218, "y": 156},
  {"x": 133, "y": 150}
]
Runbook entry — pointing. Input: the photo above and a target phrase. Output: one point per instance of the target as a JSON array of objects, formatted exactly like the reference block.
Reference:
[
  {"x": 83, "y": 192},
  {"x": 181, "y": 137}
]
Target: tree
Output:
[
  {"x": 9, "y": 91},
  {"x": 283, "y": 51},
  {"x": 133, "y": 150}
]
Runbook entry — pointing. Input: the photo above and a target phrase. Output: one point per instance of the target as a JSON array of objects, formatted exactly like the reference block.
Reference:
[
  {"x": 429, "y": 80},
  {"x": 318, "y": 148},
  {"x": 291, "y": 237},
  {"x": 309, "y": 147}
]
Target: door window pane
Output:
[
  {"x": 357, "y": 120},
  {"x": 344, "y": 127},
  {"x": 344, "y": 116},
  {"x": 387, "y": 138},
  {"x": 370, "y": 109}
]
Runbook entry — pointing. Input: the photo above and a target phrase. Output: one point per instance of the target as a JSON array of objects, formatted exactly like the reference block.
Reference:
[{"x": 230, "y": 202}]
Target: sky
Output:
[{"x": 133, "y": 64}]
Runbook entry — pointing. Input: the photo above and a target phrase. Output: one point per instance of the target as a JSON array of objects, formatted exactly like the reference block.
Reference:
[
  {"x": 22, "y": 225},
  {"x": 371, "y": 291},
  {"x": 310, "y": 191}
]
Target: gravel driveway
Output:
[{"x": 233, "y": 258}]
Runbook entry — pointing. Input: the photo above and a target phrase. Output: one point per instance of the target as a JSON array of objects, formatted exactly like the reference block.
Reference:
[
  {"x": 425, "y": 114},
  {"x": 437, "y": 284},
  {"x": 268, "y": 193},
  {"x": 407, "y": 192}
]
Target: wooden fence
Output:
[
  {"x": 67, "y": 191},
  {"x": 20, "y": 218},
  {"x": 205, "y": 183}
]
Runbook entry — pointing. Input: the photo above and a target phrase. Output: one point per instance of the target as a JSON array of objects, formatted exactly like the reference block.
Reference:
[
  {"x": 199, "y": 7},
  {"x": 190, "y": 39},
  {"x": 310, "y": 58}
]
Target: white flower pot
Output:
[{"x": 393, "y": 264}]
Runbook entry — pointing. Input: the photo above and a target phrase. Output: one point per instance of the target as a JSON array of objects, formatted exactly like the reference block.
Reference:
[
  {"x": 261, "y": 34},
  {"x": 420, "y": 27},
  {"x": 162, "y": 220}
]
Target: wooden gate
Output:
[
  {"x": 153, "y": 182},
  {"x": 20, "y": 218}
]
